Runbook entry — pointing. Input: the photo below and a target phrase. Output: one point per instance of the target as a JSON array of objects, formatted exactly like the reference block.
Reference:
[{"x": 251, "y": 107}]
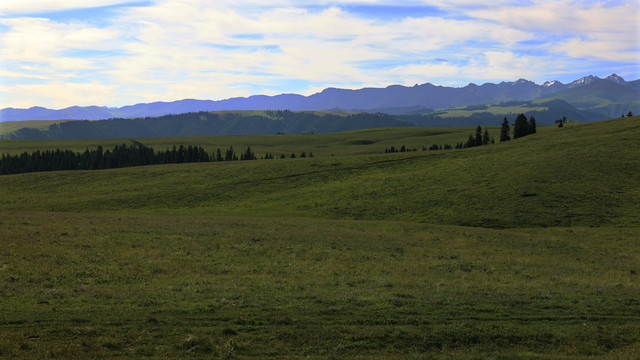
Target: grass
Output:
[
  {"x": 8, "y": 127},
  {"x": 358, "y": 142},
  {"x": 492, "y": 109},
  {"x": 521, "y": 250},
  {"x": 181, "y": 286}
]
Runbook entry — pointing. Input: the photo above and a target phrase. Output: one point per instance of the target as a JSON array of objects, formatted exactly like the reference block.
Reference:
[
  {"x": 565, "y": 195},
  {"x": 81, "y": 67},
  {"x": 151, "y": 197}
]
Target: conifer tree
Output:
[
  {"x": 505, "y": 130},
  {"x": 521, "y": 127},
  {"x": 478, "y": 136},
  {"x": 486, "y": 138},
  {"x": 532, "y": 125},
  {"x": 471, "y": 142}
]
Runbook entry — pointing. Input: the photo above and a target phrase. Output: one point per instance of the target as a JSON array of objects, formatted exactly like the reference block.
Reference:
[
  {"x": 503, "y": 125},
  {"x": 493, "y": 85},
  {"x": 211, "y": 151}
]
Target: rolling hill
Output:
[
  {"x": 559, "y": 177},
  {"x": 291, "y": 122},
  {"x": 525, "y": 249},
  {"x": 209, "y": 124}
]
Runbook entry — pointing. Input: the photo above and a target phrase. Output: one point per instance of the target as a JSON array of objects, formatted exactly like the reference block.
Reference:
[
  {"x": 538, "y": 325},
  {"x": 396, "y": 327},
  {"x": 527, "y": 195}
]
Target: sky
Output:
[{"x": 60, "y": 53}]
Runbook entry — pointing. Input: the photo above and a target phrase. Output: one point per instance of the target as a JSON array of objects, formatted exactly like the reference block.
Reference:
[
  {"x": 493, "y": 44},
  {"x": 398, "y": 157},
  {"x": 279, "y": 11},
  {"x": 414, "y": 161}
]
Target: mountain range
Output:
[{"x": 597, "y": 98}]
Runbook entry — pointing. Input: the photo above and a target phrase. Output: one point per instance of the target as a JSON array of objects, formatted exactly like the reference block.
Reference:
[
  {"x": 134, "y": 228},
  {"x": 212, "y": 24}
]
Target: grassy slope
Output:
[
  {"x": 492, "y": 109},
  {"x": 248, "y": 259},
  {"x": 355, "y": 142},
  {"x": 7, "y": 127},
  {"x": 562, "y": 178}
]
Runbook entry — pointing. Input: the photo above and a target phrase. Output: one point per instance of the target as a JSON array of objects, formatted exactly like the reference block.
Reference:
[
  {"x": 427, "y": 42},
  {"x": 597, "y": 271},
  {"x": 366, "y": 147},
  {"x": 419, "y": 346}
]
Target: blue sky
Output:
[{"x": 59, "y": 53}]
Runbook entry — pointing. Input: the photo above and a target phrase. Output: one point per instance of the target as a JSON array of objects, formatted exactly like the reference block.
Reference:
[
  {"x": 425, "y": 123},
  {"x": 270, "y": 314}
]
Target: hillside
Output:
[
  {"x": 221, "y": 123},
  {"x": 526, "y": 249},
  {"x": 545, "y": 111},
  {"x": 609, "y": 99},
  {"x": 560, "y": 177},
  {"x": 225, "y": 123}
]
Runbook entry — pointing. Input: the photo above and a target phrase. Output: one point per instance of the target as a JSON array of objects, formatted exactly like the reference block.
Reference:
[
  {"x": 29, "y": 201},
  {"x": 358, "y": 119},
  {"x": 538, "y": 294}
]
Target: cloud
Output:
[
  {"x": 39, "y": 40},
  {"x": 22, "y": 7},
  {"x": 173, "y": 49},
  {"x": 58, "y": 94}
]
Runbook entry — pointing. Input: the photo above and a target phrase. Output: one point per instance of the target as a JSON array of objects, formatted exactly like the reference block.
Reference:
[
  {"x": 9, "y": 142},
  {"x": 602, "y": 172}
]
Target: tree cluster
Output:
[
  {"x": 561, "y": 122},
  {"x": 122, "y": 155},
  {"x": 522, "y": 127},
  {"x": 480, "y": 138},
  {"x": 394, "y": 149}
]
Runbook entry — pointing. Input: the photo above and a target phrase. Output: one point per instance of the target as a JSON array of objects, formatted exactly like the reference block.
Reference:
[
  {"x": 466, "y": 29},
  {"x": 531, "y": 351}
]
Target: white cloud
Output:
[
  {"x": 41, "y": 40},
  {"x": 177, "y": 49},
  {"x": 58, "y": 94},
  {"x": 15, "y": 7}
]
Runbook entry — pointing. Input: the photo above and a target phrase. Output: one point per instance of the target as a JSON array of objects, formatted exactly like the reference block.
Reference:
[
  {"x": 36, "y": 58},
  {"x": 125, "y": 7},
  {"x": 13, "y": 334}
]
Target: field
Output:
[
  {"x": 7, "y": 127},
  {"x": 356, "y": 142},
  {"x": 520, "y": 250}
]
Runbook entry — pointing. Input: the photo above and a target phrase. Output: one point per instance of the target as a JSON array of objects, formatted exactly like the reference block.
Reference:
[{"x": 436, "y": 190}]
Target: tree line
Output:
[
  {"x": 521, "y": 127},
  {"x": 135, "y": 154}
]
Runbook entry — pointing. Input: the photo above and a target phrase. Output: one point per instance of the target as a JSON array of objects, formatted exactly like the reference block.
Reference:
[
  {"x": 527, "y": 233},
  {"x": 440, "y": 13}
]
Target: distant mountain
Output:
[
  {"x": 589, "y": 94},
  {"x": 604, "y": 98},
  {"x": 255, "y": 122}
]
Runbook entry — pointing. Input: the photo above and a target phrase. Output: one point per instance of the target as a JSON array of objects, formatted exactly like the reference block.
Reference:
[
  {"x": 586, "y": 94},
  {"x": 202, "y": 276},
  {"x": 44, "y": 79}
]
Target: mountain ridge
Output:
[{"x": 399, "y": 98}]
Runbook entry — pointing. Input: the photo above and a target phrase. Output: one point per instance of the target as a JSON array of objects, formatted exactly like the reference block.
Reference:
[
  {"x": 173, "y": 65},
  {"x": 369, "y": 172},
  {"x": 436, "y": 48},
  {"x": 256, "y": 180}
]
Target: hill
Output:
[
  {"x": 226, "y": 123},
  {"x": 209, "y": 124},
  {"x": 607, "y": 99},
  {"x": 525, "y": 249},
  {"x": 545, "y": 111},
  {"x": 560, "y": 177}
]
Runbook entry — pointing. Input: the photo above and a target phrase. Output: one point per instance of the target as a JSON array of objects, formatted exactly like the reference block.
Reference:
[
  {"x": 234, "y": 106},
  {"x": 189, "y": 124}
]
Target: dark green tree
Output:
[
  {"x": 532, "y": 125},
  {"x": 521, "y": 127},
  {"x": 478, "y": 136},
  {"x": 505, "y": 130},
  {"x": 471, "y": 142},
  {"x": 486, "y": 138}
]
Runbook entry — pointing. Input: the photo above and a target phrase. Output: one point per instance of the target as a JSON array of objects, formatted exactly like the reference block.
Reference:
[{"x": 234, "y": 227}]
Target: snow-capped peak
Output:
[
  {"x": 584, "y": 81},
  {"x": 616, "y": 78},
  {"x": 552, "y": 83}
]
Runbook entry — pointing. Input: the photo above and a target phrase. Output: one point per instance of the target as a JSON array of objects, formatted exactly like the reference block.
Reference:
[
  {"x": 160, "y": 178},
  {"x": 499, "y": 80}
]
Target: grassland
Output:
[
  {"x": 7, "y": 127},
  {"x": 355, "y": 142},
  {"x": 491, "y": 109},
  {"x": 520, "y": 250}
]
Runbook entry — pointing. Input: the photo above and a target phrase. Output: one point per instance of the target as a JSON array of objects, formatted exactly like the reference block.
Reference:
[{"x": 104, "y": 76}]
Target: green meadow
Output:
[
  {"x": 526, "y": 249},
  {"x": 7, "y": 127}
]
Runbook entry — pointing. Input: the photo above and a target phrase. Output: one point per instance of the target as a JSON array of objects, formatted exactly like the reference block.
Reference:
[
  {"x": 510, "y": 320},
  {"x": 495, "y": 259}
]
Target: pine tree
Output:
[
  {"x": 486, "y": 138},
  {"x": 478, "y": 136},
  {"x": 471, "y": 142},
  {"x": 505, "y": 130},
  {"x": 521, "y": 127},
  {"x": 532, "y": 125}
]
